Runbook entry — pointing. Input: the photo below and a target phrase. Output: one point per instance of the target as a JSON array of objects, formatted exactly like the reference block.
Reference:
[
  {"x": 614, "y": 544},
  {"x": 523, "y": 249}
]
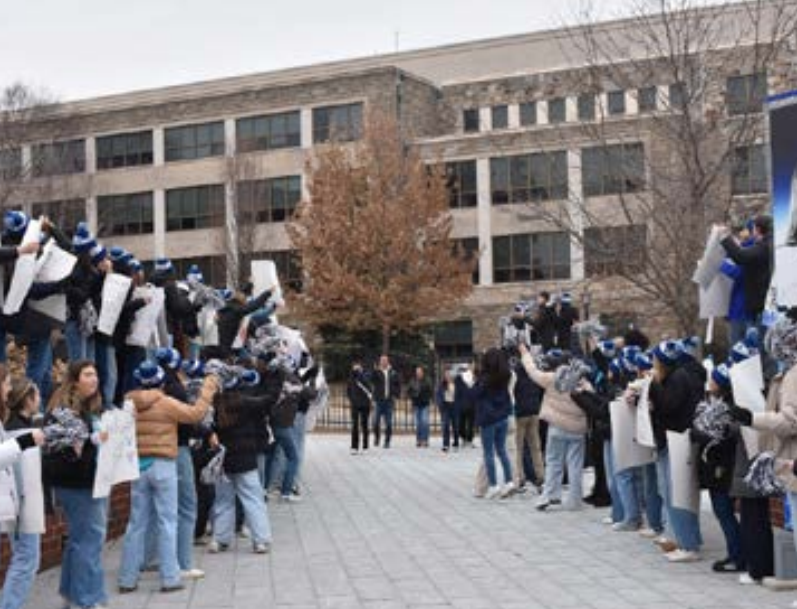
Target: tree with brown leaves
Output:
[{"x": 375, "y": 237}]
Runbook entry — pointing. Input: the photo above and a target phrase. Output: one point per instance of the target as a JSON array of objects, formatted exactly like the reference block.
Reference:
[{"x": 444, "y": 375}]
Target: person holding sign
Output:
[
  {"x": 157, "y": 418},
  {"x": 25, "y": 545},
  {"x": 8, "y": 254}
]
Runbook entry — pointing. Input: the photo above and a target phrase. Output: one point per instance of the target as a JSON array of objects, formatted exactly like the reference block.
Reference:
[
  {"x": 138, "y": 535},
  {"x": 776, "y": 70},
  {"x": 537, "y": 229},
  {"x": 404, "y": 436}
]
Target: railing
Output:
[{"x": 337, "y": 415}]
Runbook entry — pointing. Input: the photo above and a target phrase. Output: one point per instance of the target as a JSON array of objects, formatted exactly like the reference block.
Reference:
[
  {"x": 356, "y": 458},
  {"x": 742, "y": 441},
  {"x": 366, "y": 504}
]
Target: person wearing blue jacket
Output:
[{"x": 738, "y": 317}]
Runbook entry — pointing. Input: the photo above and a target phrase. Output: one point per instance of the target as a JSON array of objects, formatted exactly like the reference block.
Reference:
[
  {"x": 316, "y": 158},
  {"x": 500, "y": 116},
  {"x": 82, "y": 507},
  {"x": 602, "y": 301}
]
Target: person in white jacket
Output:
[{"x": 25, "y": 546}]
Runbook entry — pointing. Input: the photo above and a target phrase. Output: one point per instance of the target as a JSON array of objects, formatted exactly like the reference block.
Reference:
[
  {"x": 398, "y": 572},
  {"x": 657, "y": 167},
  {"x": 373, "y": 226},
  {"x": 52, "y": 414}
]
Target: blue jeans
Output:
[
  {"x": 685, "y": 525},
  {"x": 722, "y": 505},
  {"x": 40, "y": 365},
  {"x": 621, "y": 497},
  {"x": 647, "y": 480},
  {"x": 154, "y": 495},
  {"x": 299, "y": 434},
  {"x": 247, "y": 488},
  {"x": 448, "y": 421},
  {"x": 284, "y": 439},
  {"x": 186, "y": 508},
  {"x": 384, "y": 410},
  {"x": 78, "y": 346},
  {"x": 422, "y": 424},
  {"x": 105, "y": 357},
  {"x": 494, "y": 442},
  {"x": 133, "y": 357},
  {"x": 25, "y": 548},
  {"x": 563, "y": 446},
  {"x": 82, "y": 576}
]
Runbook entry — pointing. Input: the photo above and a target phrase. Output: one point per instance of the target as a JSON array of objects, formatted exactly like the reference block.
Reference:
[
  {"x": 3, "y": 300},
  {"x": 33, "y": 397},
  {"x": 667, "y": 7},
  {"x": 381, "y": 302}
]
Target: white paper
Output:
[
  {"x": 716, "y": 300},
  {"x": 53, "y": 306},
  {"x": 208, "y": 328},
  {"x": 24, "y": 272},
  {"x": 264, "y": 277},
  {"x": 627, "y": 451},
  {"x": 145, "y": 324},
  {"x": 747, "y": 380},
  {"x": 751, "y": 444},
  {"x": 709, "y": 265},
  {"x": 683, "y": 471},
  {"x": 31, "y": 515},
  {"x": 54, "y": 264},
  {"x": 117, "y": 457},
  {"x": 644, "y": 426},
  {"x": 114, "y": 295}
]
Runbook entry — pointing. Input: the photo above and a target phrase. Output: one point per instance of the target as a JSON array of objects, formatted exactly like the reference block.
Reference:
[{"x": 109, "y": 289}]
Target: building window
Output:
[
  {"x": 647, "y": 99},
  {"x": 462, "y": 189},
  {"x": 338, "y": 123},
  {"x": 557, "y": 110},
  {"x": 214, "y": 268},
  {"x": 528, "y": 113},
  {"x": 615, "y": 101},
  {"x": 586, "y": 107},
  {"x": 122, "y": 215},
  {"x": 10, "y": 164},
  {"x": 531, "y": 257},
  {"x": 470, "y": 120},
  {"x": 615, "y": 250},
  {"x": 677, "y": 96},
  {"x": 746, "y": 94},
  {"x": 500, "y": 116},
  {"x": 124, "y": 150},
  {"x": 269, "y": 132},
  {"x": 453, "y": 340},
  {"x": 64, "y": 214},
  {"x": 469, "y": 247},
  {"x": 58, "y": 158},
  {"x": 611, "y": 170},
  {"x": 271, "y": 200},
  {"x": 194, "y": 141},
  {"x": 529, "y": 177},
  {"x": 749, "y": 175},
  {"x": 194, "y": 208}
]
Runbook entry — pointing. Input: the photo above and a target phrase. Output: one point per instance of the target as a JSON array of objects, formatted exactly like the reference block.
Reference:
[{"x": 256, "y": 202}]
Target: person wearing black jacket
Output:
[
  {"x": 419, "y": 392},
  {"x": 360, "y": 394},
  {"x": 387, "y": 389},
  {"x": 181, "y": 314},
  {"x": 565, "y": 316},
  {"x": 544, "y": 322},
  {"x": 8, "y": 255},
  {"x": 528, "y": 401},
  {"x": 229, "y": 319},
  {"x": 128, "y": 357},
  {"x": 675, "y": 392},
  {"x": 464, "y": 408}
]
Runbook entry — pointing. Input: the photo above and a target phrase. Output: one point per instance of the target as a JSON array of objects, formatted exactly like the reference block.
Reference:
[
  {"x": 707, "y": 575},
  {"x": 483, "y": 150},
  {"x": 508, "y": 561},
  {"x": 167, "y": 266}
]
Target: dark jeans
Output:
[
  {"x": 384, "y": 410},
  {"x": 722, "y": 505},
  {"x": 756, "y": 537},
  {"x": 449, "y": 423},
  {"x": 359, "y": 427},
  {"x": 467, "y": 420}
]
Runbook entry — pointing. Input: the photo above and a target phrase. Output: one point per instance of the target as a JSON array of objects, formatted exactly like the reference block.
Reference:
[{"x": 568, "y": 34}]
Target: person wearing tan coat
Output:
[
  {"x": 567, "y": 428},
  {"x": 155, "y": 492}
]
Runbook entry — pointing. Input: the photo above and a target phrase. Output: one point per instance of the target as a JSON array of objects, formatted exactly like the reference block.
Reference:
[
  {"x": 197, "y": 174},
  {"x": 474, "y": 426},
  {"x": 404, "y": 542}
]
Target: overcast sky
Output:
[{"x": 85, "y": 48}]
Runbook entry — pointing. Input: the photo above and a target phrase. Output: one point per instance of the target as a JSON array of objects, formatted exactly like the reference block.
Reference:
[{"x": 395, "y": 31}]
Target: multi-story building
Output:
[{"x": 161, "y": 172}]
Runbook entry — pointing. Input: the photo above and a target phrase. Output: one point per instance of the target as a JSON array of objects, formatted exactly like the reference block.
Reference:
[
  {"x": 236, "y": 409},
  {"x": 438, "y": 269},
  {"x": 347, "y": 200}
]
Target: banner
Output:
[
  {"x": 627, "y": 451},
  {"x": 709, "y": 265},
  {"x": 117, "y": 457},
  {"x": 24, "y": 272},
  {"x": 28, "y": 478},
  {"x": 683, "y": 471},
  {"x": 145, "y": 326},
  {"x": 644, "y": 426},
  {"x": 747, "y": 380},
  {"x": 716, "y": 300},
  {"x": 783, "y": 141},
  {"x": 114, "y": 295},
  {"x": 264, "y": 277}
]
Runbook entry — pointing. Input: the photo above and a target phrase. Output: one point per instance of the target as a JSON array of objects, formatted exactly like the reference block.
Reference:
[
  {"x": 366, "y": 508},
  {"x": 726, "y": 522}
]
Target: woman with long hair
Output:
[
  {"x": 70, "y": 469},
  {"x": 25, "y": 546}
]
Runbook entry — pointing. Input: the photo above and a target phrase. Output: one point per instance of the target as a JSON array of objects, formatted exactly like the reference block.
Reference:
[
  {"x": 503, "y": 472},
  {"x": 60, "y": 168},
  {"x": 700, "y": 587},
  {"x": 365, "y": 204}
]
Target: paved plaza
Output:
[{"x": 399, "y": 528}]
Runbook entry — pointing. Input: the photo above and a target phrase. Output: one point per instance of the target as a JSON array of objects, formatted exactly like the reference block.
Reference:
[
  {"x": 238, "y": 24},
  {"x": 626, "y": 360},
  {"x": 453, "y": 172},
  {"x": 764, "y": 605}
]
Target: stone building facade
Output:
[{"x": 158, "y": 172}]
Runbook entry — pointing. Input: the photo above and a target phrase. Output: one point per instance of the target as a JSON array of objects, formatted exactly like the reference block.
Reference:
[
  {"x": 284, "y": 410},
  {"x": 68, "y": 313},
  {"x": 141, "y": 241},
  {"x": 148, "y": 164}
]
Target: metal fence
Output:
[{"x": 337, "y": 415}]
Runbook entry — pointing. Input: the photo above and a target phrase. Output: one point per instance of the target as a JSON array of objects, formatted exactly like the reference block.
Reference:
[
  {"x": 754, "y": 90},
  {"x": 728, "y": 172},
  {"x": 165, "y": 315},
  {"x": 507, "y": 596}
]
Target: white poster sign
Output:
[
  {"x": 24, "y": 272},
  {"x": 264, "y": 277},
  {"x": 683, "y": 471},
  {"x": 627, "y": 451},
  {"x": 53, "y": 306},
  {"x": 208, "y": 328},
  {"x": 644, "y": 426},
  {"x": 117, "y": 457},
  {"x": 145, "y": 323},
  {"x": 114, "y": 295},
  {"x": 716, "y": 300},
  {"x": 711, "y": 262},
  {"x": 54, "y": 264},
  {"x": 31, "y": 515},
  {"x": 747, "y": 380}
]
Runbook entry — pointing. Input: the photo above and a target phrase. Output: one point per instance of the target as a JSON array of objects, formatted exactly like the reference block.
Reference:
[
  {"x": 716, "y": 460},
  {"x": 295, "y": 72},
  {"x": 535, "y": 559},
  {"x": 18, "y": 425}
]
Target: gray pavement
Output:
[{"x": 399, "y": 528}]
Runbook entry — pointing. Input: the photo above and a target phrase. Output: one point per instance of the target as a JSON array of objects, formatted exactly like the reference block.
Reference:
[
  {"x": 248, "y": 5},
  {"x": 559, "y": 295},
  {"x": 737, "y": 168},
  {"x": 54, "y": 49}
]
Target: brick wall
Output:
[{"x": 53, "y": 539}]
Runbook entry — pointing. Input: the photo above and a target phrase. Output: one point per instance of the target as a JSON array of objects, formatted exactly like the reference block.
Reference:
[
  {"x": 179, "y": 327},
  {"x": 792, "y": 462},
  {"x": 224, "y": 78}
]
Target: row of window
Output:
[
  {"x": 267, "y": 132},
  {"x": 744, "y": 95},
  {"x": 605, "y": 170}
]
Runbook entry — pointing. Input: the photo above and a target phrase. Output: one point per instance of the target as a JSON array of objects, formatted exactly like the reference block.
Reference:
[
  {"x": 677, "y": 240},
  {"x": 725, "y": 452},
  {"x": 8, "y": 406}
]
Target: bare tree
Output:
[
  {"x": 238, "y": 239},
  {"x": 668, "y": 171}
]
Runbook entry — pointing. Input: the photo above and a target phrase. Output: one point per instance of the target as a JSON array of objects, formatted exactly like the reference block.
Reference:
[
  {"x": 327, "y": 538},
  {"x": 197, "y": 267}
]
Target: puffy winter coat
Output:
[{"x": 558, "y": 408}]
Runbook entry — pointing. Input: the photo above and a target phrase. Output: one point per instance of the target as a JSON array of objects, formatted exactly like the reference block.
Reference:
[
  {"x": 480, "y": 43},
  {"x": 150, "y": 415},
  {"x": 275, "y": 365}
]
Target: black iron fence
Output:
[{"x": 337, "y": 415}]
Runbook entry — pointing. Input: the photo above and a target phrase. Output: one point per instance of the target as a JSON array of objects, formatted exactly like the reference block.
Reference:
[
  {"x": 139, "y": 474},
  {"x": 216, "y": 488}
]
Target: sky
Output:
[{"x": 87, "y": 48}]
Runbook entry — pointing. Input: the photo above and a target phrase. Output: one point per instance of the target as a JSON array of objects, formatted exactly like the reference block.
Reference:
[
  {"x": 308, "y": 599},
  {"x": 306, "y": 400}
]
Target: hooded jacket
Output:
[{"x": 558, "y": 408}]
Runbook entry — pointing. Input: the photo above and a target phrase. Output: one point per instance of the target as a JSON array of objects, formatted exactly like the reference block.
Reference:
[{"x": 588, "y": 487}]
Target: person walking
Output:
[
  {"x": 444, "y": 397},
  {"x": 360, "y": 394},
  {"x": 420, "y": 393},
  {"x": 387, "y": 389}
]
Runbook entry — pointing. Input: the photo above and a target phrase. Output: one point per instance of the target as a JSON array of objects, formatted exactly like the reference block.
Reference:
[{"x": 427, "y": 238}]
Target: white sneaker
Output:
[
  {"x": 508, "y": 490},
  {"x": 493, "y": 492},
  {"x": 746, "y": 580},
  {"x": 607, "y": 520},
  {"x": 291, "y": 498},
  {"x": 192, "y": 574},
  {"x": 679, "y": 556},
  {"x": 214, "y": 547},
  {"x": 648, "y": 533},
  {"x": 542, "y": 503},
  {"x": 261, "y": 548}
]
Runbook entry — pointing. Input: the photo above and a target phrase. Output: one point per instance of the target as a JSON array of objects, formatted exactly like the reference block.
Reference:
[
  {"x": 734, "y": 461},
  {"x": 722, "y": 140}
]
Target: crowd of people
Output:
[{"x": 219, "y": 395}]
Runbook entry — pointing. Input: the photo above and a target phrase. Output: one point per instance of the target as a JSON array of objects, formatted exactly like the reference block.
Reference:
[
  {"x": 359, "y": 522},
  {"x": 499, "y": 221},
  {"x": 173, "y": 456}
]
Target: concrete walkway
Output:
[{"x": 399, "y": 528}]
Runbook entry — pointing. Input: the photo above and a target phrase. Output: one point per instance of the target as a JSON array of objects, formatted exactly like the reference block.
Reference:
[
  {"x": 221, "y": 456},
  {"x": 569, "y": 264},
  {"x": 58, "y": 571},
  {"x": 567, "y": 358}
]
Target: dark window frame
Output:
[
  {"x": 126, "y": 214},
  {"x": 647, "y": 99},
  {"x": 528, "y": 113},
  {"x": 615, "y": 250},
  {"x": 557, "y": 110},
  {"x": 749, "y": 174},
  {"x": 58, "y": 158},
  {"x": 586, "y": 107},
  {"x": 471, "y": 120},
  {"x": 276, "y": 131},
  {"x": 515, "y": 179},
  {"x": 339, "y": 123},
  {"x": 268, "y": 200},
  {"x": 746, "y": 94},
  {"x": 462, "y": 183},
  {"x": 192, "y": 142},
  {"x": 599, "y": 169},
  {"x": 524, "y": 258},
  {"x": 616, "y": 103},
  {"x": 209, "y": 209},
  {"x": 123, "y": 150},
  {"x": 499, "y": 115}
]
